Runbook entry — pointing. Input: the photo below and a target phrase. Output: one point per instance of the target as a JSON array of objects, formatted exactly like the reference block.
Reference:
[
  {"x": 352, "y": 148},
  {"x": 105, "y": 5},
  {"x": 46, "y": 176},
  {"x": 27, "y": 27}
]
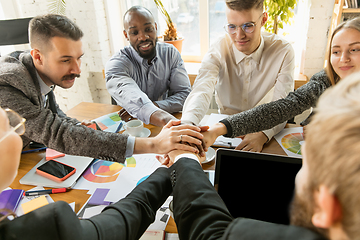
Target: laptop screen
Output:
[{"x": 256, "y": 185}]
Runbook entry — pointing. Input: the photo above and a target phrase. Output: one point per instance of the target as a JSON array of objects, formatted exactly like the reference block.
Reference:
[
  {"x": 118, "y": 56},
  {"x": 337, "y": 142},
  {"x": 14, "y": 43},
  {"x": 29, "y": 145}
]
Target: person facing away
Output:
[
  {"x": 26, "y": 83},
  {"x": 245, "y": 67},
  {"x": 326, "y": 198},
  {"x": 343, "y": 60},
  {"x": 148, "y": 78}
]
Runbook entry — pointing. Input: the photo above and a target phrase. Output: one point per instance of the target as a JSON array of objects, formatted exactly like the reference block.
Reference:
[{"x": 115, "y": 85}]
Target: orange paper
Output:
[
  {"x": 34, "y": 204},
  {"x": 52, "y": 154}
]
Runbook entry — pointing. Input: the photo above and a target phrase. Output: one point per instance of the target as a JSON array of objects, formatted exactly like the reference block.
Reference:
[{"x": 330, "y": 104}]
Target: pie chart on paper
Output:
[
  {"x": 292, "y": 142},
  {"x": 104, "y": 171}
]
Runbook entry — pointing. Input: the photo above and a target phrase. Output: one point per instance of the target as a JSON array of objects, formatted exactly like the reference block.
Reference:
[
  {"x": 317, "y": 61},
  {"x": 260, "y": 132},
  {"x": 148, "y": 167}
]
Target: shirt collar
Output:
[
  {"x": 142, "y": 60},
  {"x": 256, "y": 56},
  {"x": 45, "y": 89}
]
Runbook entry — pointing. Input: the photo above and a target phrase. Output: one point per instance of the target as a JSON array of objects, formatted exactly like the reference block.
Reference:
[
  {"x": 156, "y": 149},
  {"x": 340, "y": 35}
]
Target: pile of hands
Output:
[
  {"x": 184, "y": 138},
  {"x": 187, "y": 138}
]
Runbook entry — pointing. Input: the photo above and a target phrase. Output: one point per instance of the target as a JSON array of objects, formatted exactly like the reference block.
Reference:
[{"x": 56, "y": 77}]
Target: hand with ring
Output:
[{"x": 174, "y": 136}]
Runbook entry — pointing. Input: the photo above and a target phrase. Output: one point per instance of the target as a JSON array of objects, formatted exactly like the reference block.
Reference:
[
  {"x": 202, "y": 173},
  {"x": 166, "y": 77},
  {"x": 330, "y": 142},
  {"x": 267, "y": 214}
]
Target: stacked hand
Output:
[
  {"x": 182, "y": 137},
  {"x": 168, "y": 159}
]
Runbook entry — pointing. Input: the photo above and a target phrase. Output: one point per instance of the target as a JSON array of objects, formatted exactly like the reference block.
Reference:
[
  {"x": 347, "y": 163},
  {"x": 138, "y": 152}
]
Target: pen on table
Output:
[
  {"x": 42, "y": 192},
  {"x": 33, "y": 150},
  {"x": 119, "y": 127}
]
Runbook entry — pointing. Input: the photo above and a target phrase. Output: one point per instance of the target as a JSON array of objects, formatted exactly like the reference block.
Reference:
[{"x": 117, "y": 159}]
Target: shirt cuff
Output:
[
  {"x": 269, "y": 133},
  {"x": 186, "y": 155},
  {"x": 130, "y": 146},
  {"x": 189, "y": 119},
  {"x": 228, "y": 128},
  {"x": 146, "y": 111}
]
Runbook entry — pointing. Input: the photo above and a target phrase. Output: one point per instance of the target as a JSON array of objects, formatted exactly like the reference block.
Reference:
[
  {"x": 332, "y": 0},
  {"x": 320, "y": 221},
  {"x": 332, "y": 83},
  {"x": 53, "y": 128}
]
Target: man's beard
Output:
[
  {"x": 301, "y": 213},
  {"x": 149, "y": 55}
]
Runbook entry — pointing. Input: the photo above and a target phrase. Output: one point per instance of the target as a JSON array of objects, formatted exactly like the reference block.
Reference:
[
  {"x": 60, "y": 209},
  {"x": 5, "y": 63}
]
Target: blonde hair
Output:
[
  {"x": 333, "y": 149},
  {"x": 354, "y": 24}
]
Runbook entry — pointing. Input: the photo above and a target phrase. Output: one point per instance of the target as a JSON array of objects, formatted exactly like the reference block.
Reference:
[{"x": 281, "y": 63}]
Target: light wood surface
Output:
[{"x": 89, "y": 111}]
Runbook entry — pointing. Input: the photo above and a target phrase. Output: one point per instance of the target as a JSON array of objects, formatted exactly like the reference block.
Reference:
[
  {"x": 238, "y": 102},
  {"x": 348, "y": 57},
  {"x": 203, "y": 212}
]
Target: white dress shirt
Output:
[{"x": 242, "y": 81}]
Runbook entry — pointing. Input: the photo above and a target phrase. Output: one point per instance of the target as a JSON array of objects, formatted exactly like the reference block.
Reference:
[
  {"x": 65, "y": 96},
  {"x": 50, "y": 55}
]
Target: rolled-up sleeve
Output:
[
  {"x": 197, "y": 103},
  {"x": 125, "y": 90}
]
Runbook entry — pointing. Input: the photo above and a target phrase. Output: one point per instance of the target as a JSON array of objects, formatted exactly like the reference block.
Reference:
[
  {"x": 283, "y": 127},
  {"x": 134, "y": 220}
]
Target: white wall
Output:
[
  {"x": 317, "y": 35},
  {"x": 90, "y": 16}
]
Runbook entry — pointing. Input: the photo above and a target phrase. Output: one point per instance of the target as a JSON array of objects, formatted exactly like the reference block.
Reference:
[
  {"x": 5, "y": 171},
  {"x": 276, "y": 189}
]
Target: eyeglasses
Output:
[
  {"x": 16, "y": 122},
  {"x": 246, "y": 27}
]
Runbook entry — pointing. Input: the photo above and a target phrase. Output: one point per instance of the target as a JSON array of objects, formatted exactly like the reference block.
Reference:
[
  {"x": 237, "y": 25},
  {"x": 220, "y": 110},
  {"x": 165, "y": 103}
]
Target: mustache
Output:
[
  {"x": 149, "y": 40},
  {"x": 145, "y": 42},
  {"x": 70, "y": 76}
]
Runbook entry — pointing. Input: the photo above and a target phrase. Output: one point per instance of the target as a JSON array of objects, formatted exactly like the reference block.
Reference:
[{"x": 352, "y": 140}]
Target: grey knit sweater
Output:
[{"x": 273, "y": 113}]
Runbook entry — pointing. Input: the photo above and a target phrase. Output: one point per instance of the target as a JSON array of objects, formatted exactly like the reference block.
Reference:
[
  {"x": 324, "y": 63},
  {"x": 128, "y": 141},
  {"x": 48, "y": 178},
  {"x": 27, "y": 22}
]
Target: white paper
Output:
[
  {"x": 130, "y": 177},
  {"x": 72, "y": 205},
  {"x": 92, "y": 211},
  {"x": 162, "y": 216},
  {"x": 172, "y": 236}
]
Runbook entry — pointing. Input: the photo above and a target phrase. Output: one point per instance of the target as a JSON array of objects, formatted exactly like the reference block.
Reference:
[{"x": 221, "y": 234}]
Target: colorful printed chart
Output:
[
  {"x": 105, "y": 171},
  {"x": 108, "y": 122},
  {"x": 292, "y": 142}
]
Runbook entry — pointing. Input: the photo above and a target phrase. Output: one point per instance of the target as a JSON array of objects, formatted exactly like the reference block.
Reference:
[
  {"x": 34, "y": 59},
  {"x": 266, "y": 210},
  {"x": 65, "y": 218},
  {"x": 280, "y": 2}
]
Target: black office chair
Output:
[{"x": 14, "y": 31}]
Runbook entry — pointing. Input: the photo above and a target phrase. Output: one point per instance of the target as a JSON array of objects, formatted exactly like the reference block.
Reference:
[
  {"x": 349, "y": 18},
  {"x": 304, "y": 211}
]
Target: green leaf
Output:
[
  {"x": 57, "y": 6},
  {"x": 282, "y": 9}
]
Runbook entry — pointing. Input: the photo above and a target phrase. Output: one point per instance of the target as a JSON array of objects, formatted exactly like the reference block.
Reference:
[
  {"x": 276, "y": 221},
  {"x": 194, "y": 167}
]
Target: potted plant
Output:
[
  {"x": 280, "y": 12},
  {"x": 170, "y": 35}
]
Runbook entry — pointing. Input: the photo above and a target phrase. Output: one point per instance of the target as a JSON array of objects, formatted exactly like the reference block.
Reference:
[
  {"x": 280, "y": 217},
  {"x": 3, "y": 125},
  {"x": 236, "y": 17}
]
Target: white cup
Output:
[{"x": 134, "y": 127}]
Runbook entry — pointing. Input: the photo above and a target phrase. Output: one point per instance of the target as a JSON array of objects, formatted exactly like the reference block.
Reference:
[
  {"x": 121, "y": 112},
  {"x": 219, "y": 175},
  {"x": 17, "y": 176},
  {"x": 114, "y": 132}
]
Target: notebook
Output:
[
  {"x": 10, "y": 199},
  {"x": 256, "y": 185}
]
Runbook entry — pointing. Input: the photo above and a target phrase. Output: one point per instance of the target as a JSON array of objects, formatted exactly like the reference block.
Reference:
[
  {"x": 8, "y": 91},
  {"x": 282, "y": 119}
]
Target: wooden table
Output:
[{"x": 90, "y": 111}]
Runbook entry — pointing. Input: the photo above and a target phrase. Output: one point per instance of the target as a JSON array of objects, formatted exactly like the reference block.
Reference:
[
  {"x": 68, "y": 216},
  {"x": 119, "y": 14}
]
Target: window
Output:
[
  {"x": 189, "y": 15},
  {"x": 201, "y": 23}
]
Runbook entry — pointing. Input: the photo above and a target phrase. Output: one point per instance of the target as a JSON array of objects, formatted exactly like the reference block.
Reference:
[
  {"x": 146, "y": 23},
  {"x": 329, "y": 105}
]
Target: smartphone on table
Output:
[{"x": 55, "y": 170}]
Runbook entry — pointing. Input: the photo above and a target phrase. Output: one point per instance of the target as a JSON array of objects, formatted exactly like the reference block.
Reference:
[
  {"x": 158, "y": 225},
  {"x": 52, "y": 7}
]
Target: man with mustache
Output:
[
  {"x": 148, "y": 78},
  {"x": 27, "y": 80},
  {"x": 245, "y": 68}
]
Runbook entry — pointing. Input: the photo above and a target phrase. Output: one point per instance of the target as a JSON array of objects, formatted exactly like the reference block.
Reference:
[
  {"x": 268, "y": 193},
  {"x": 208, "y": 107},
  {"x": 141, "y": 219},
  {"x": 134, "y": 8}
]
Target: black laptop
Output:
[{"x": 256, "y": 185}]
